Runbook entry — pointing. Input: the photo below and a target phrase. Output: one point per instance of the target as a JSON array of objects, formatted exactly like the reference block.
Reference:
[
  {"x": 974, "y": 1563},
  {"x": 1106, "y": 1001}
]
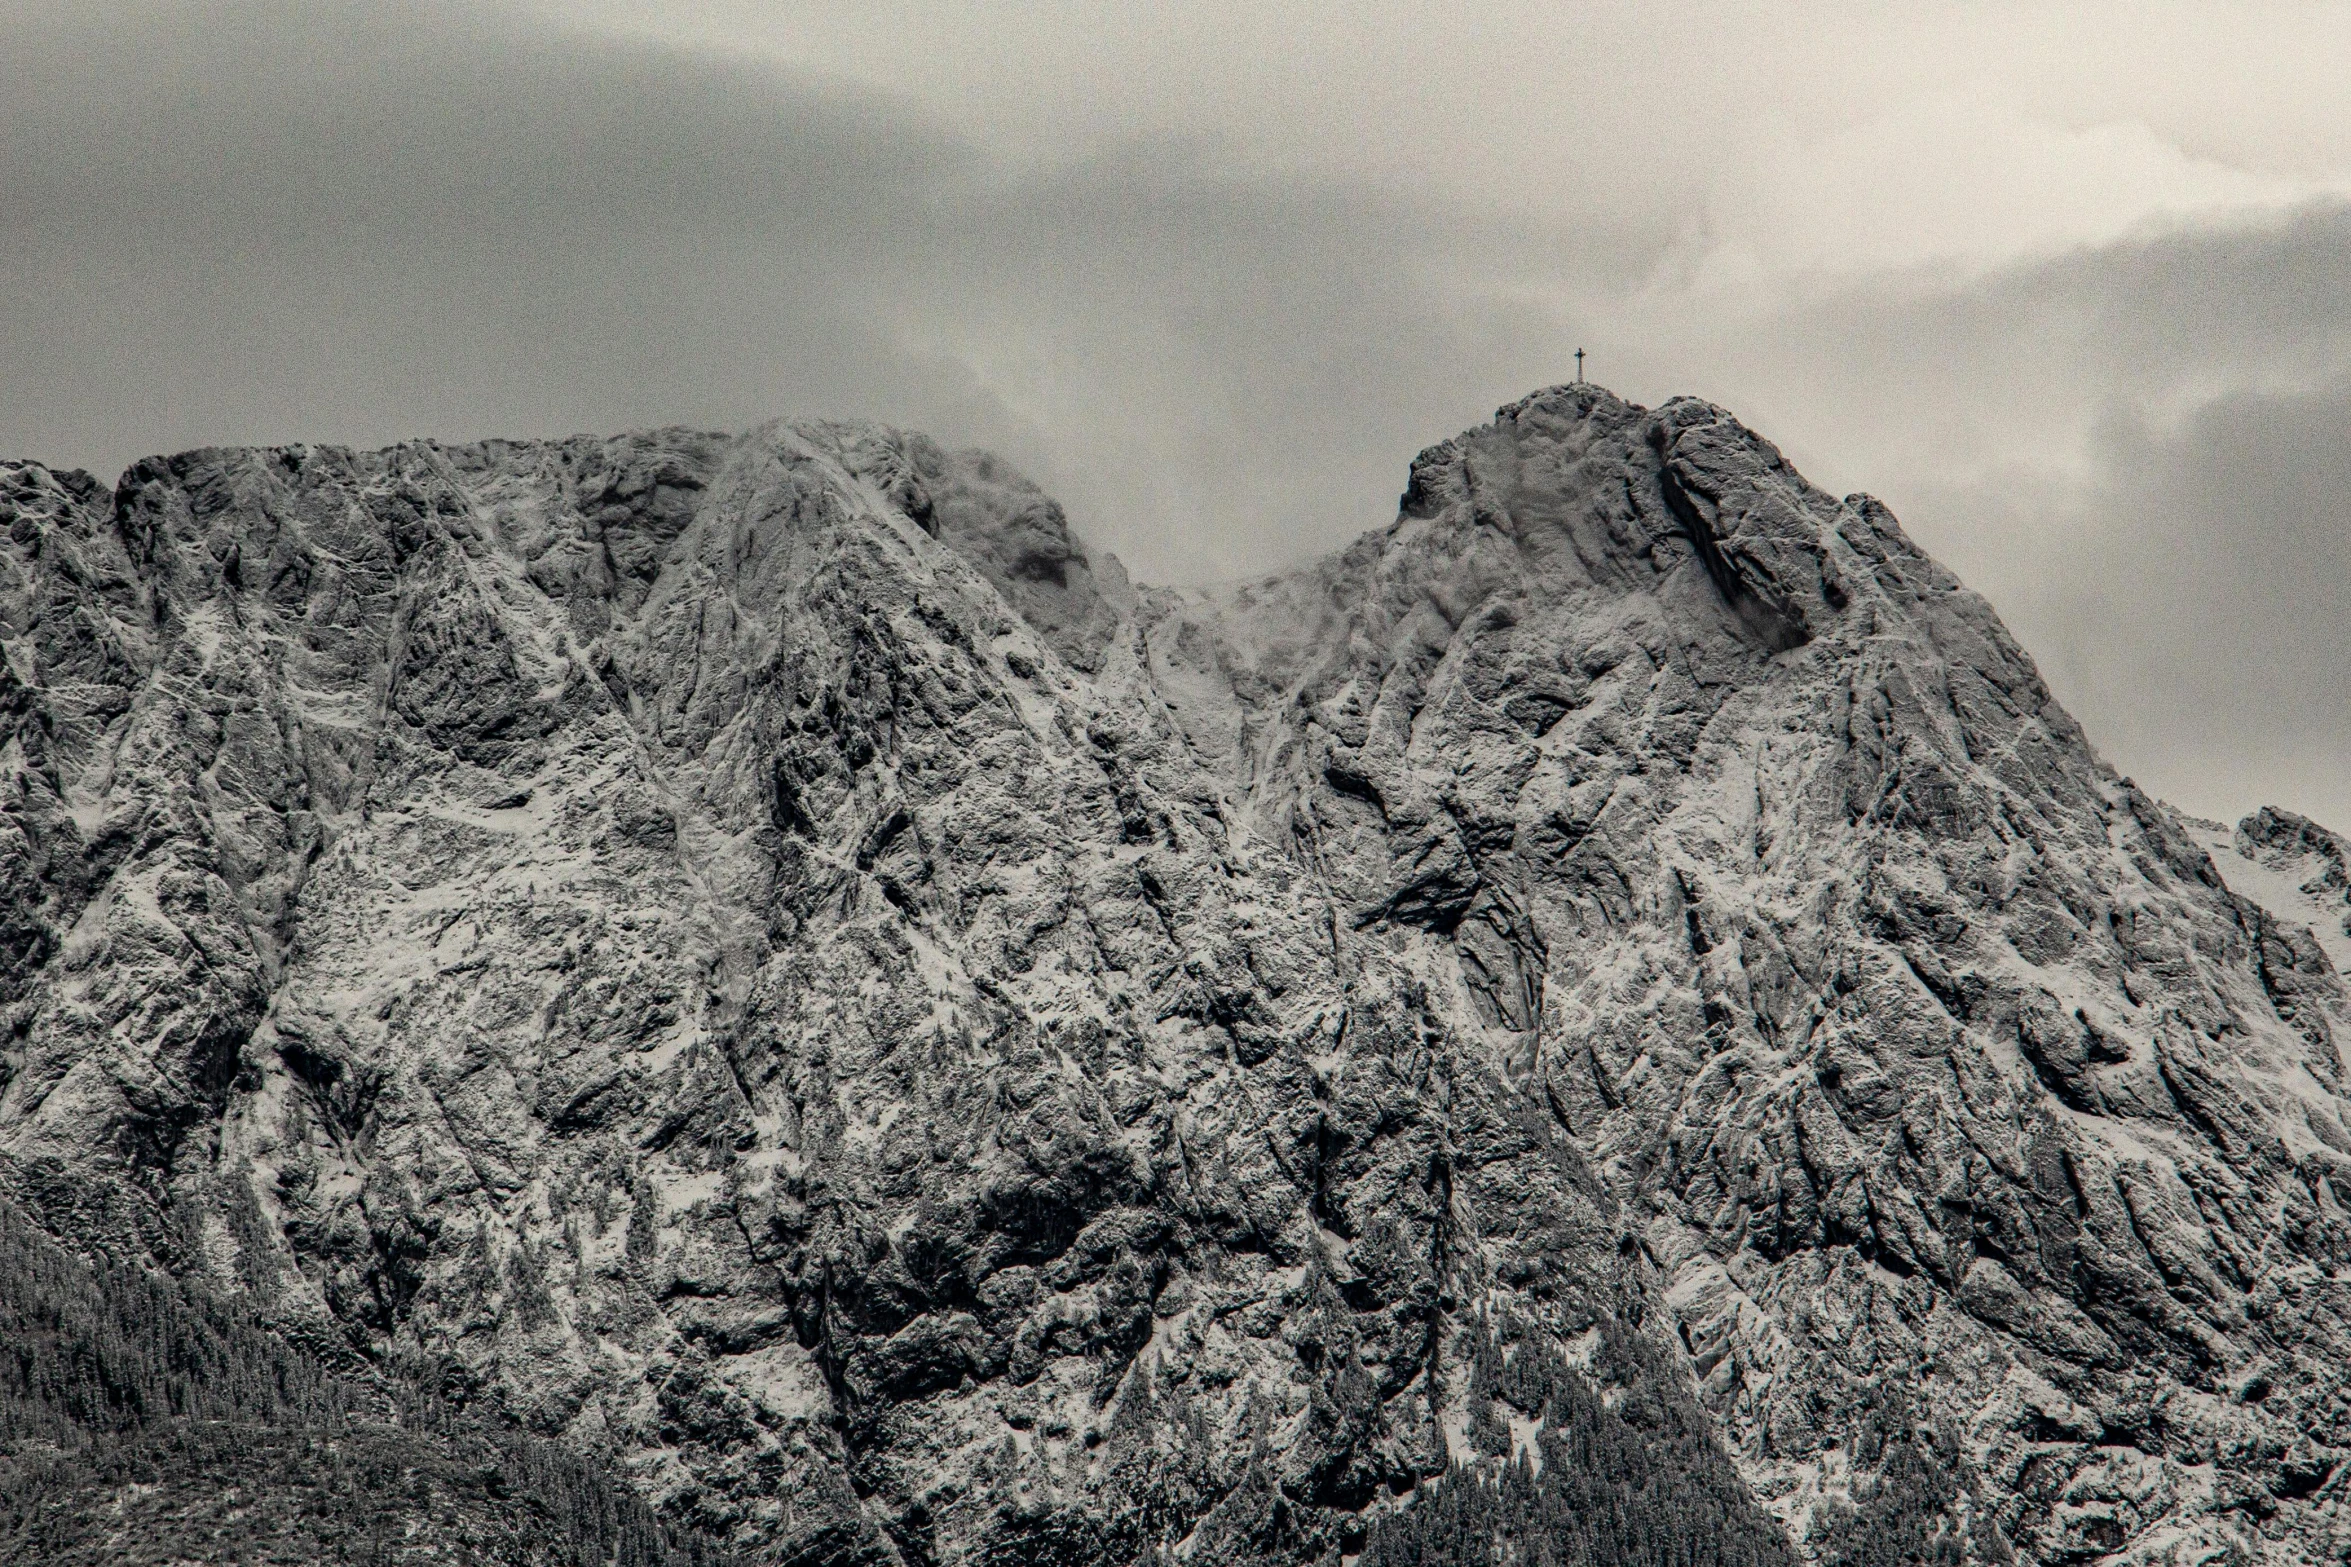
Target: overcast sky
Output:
[{"x": 2069, "y": 288}]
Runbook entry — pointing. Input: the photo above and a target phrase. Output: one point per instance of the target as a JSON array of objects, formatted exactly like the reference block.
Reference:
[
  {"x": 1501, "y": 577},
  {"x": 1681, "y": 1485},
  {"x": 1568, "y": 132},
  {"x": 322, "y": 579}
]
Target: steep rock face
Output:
[
  {"x": 1923, "y": 1048},
  {"x": 765, "y": 956}
]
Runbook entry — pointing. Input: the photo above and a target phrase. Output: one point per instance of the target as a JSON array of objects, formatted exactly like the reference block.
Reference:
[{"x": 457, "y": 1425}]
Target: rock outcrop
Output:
[{"x": 767, "y": 960}]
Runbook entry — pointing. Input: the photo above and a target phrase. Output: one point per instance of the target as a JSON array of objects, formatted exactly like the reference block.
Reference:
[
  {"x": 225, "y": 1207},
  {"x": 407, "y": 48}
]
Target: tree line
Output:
[{"x": 144, "y": 1419}]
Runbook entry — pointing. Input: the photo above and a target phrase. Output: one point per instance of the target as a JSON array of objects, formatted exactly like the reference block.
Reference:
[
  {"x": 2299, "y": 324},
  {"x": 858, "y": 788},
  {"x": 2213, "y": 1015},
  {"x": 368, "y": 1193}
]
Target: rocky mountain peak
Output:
[{"x": 769, "y": 961}]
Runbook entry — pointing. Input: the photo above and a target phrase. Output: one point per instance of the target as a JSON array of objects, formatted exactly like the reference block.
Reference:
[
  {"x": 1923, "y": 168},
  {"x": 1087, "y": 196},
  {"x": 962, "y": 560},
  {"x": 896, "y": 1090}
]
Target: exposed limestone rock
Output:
[{"x": 781, "y": 967}]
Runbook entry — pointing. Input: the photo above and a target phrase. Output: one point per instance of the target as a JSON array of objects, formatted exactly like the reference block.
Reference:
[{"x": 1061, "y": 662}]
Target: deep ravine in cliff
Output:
[{"x": 1615, "y": 1020}]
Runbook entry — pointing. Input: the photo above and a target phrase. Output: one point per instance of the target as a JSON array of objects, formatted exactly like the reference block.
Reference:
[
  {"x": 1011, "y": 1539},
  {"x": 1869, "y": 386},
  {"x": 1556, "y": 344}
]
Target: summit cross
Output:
[{"x": 1579, "y": 365}]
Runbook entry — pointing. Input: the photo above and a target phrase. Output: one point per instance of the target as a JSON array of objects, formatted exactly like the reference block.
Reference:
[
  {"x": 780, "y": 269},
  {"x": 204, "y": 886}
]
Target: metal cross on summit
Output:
[{"x": 1579, "y": 365}]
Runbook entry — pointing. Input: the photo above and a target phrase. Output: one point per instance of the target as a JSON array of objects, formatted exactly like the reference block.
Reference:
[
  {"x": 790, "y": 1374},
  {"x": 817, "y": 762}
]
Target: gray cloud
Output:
[
  {"x": 2020, "y": 365},
  {"x": 270, "y": 222},
  {"x": 361, "y": 226},
  {"x": 2142, "y": 454},
  {"x": 364, "y": 225},
  {"x": 2188, "y": 598}
]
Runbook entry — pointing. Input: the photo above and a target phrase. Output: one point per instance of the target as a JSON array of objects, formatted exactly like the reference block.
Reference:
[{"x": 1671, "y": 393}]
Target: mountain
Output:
[{"x": 1614, "y": 1020}]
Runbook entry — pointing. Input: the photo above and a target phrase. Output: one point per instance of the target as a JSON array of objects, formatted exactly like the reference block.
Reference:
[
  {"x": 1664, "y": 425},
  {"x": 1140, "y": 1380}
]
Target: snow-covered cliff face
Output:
[{"x": 766, "y": 957}]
